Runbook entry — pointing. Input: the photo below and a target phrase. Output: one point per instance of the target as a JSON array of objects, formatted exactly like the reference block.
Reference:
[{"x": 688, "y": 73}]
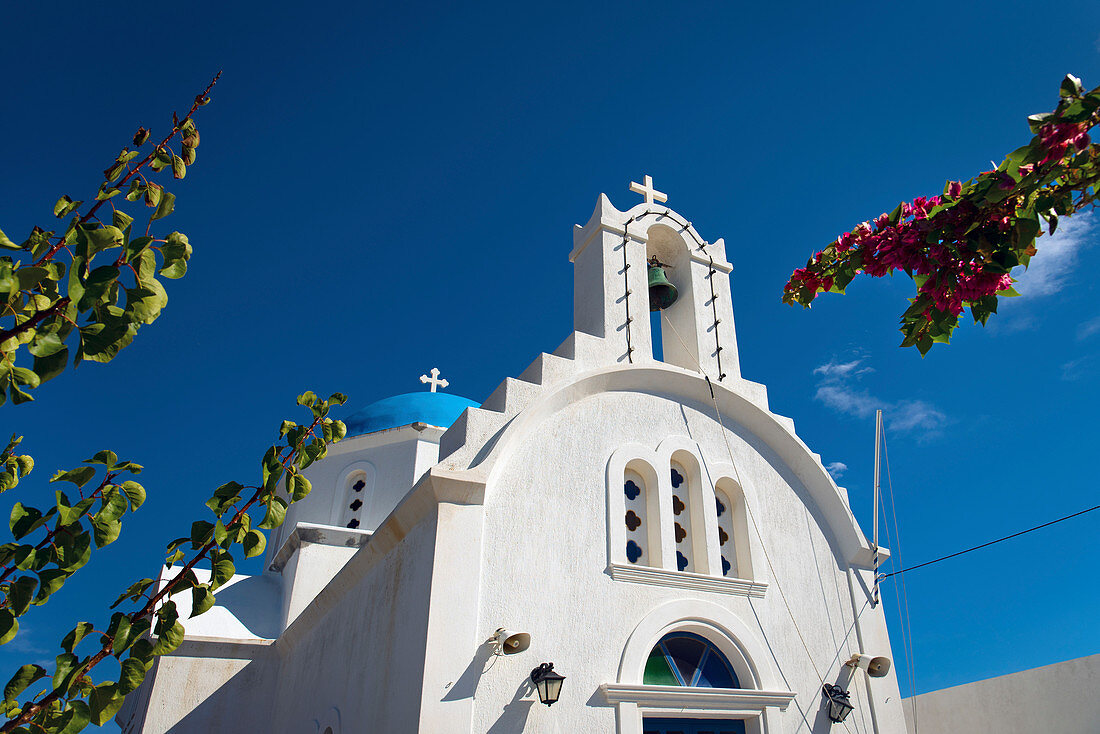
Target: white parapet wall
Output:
[{"x": 1054, "y": 699}]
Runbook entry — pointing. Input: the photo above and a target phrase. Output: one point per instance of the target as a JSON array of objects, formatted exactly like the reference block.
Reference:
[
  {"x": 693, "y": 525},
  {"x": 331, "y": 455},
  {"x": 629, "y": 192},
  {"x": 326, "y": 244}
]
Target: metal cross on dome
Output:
[
  {"x": 647, "y": 190},
  {"x": 435, "y": 380}
]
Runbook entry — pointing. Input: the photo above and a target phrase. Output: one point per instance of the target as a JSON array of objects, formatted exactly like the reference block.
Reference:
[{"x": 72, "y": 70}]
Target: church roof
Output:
[{"x": 434, "y": 408}]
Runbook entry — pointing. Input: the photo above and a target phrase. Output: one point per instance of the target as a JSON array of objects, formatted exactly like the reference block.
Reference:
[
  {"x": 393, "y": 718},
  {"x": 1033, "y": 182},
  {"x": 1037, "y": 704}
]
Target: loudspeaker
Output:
[
  {"x": 510, "y": 642},
  {"x": 878, "y": 667}
]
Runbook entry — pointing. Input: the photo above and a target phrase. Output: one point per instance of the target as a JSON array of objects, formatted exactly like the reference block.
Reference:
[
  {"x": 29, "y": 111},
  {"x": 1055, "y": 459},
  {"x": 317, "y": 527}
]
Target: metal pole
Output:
[{"x": 874, "y": 525}]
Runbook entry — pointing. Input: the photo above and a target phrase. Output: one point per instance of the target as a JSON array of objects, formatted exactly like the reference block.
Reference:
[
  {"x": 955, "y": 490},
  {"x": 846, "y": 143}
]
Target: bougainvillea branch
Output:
[{"x": 961, "y": 246}]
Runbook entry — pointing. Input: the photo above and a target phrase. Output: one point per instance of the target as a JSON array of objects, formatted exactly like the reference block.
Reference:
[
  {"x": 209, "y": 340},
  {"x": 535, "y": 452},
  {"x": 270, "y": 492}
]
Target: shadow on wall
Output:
[
  {"x": 514, "y": 716},
  {"x": 256, "y": 602},
  {"x": 217, "y": 708},
  {"x": 466, "y": 685}
]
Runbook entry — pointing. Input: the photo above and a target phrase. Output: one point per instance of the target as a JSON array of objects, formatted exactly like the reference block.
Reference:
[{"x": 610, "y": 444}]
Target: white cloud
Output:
[
  {"x": 1077, "y": 369},
  {"x": 1088, "y": 328},
  {"x": 838, "y": 389},
  {"x": 836, "y": 469},
  {"x": 1050, "y": 269}
]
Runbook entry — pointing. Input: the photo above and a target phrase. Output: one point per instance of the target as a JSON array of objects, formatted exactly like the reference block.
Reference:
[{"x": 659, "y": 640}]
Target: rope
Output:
[{"x": 903, "y": 600}]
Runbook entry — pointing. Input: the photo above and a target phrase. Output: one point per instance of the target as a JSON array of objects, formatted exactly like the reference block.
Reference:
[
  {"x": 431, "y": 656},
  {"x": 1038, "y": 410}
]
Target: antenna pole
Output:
[{"x": 874, "y": 525}]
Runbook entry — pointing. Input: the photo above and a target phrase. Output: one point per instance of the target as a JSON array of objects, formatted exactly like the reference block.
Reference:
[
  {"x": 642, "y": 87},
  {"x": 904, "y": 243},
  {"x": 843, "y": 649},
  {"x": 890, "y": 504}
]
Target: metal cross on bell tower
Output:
[{"x": 435, "y": 380}]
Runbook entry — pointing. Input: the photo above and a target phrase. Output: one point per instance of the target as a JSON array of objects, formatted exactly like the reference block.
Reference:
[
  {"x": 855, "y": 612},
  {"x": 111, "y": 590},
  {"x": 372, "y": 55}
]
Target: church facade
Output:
[{"x": 648, "y": 526}]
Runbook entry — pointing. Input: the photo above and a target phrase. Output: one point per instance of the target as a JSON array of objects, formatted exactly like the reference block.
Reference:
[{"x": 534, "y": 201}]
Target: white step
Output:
[
  {"x": 475, "y": 425},
  {"x": 512, "y": 396},
  {"x": 548, "y": 369}
]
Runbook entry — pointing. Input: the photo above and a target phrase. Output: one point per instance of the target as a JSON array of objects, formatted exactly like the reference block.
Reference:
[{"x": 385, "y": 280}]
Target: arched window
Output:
[
  {"x": 638, "y": 547},
  {"x": 681, "y": 519},
  {"x": 726, "y": 544},
  {"x": 688, "y": 660},
  {"x": 733, "y": 547},
  {"x": 352, "y": 498}
]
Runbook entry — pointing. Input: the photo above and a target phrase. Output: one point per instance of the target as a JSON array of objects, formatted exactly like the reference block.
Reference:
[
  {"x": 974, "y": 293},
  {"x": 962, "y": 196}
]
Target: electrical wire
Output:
[{"x": 992, "y": 542}]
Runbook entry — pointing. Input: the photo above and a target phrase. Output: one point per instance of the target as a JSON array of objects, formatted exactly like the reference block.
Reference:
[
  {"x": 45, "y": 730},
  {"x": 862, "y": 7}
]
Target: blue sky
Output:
[{"x": 382, "y": 189}]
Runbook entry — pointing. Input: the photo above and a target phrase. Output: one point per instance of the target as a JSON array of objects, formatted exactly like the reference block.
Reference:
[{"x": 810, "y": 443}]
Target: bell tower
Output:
[{"x": 617, "y": 255}]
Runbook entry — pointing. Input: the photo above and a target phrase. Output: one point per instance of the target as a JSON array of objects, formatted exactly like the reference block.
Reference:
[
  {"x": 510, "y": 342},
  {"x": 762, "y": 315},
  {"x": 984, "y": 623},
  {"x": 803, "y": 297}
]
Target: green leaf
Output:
[
  {"x": 103, "y": 238},
  {"x": 133, "y": 673},
  {"x": 23, "y": 677},
  {"x": 134, "y": 492},
  {"x": 78, "y": 633},
  {"x": 134, "y": 592},
  {"x": 24, "y": 557},
  {"x": 9, "y": 626},
  {"x": 299, "y": 487},
  {"x": 7, "y": 244},
  {"x": 31, "y": 275},
  {"x": 276, "y": 513},
  {"x": 65, "y": 206},
  {"x": 1071, "y": 87},
  {"x": 222, "y": 571},
  {"x": 24, "y": 520},
  {"x": 105, "y": 457},
  {"x": 119, "y": 632},
  {"x": 142, "y": 650},
  {"x": 201, "y": 599},
  {"x": 73, "y": 553},
  {"x": 106, "y": 699},
  {"x": 20, "y": 593},
  {"x": 49, "y": 582},
  {"x": 77, "y": 715},
  {"x": 78, "y": 476},
  {"x": 165, "y": 206},
  {"x": 200, "y": 532},
  {"x": 169, "y": 638},
  {"x": 136, "y": 245},
  {"x": 103, "y": 341},
  {"x": 179, "y": 168},
  {"x": 114, "y": 506},
  {"x": 176, "y": 253},
  {"x": 51, "y": 366},
  {"x": 105, "y": 532},
  {"x": 254, "y": 543},
  {"x": 45, "y": 344}
]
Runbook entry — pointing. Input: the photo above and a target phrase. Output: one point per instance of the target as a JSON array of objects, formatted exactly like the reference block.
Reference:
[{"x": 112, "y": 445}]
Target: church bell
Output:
[{"x": 662, "y": 294}]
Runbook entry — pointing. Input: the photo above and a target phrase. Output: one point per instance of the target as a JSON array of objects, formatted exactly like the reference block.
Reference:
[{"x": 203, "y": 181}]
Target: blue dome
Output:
[{"x": 434, "y": 408}]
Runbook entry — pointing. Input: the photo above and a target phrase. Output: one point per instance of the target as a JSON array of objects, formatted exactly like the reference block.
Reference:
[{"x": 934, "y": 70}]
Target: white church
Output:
[{"x": 647, "y": 529}]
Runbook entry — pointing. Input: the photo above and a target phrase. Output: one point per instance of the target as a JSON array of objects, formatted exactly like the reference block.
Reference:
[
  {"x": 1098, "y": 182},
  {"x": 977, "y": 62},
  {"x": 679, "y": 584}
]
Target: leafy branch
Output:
[
  {"x": 43, "y": 302},
  {"x": 72, "y": 699}
]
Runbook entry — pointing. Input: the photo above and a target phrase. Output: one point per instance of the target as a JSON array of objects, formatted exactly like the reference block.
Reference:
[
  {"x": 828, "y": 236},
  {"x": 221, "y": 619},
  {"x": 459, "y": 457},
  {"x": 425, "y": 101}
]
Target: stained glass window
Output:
[
  {"x": 635, "y": 518},
  {"x": 681, "y": 520},
  {"x": 688, "y": 660}
]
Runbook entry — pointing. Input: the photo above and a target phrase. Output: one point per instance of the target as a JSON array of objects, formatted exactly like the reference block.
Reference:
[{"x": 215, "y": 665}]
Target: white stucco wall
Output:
[
  {"x": 358, "y": 649},
  {"x": 392, "y": 459},
  {"x": 1054, "y": 699},
  {"x": 544, "y": 558}
]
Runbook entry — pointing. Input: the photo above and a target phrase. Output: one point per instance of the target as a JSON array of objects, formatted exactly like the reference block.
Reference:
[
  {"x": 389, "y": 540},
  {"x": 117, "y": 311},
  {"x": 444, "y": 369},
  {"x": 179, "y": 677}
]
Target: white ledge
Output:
[
  {"x": 308, "y": 532},
  {"x": 684, "y": 580},
  {"x": 743, "y": 700}
]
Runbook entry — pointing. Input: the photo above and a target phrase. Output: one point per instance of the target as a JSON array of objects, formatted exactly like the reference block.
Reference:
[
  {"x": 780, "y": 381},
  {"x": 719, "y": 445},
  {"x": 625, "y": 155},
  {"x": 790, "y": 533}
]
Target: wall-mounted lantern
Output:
[
  {"x": 547, "y": 683},
  {"x": 838, "y": 704}
]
